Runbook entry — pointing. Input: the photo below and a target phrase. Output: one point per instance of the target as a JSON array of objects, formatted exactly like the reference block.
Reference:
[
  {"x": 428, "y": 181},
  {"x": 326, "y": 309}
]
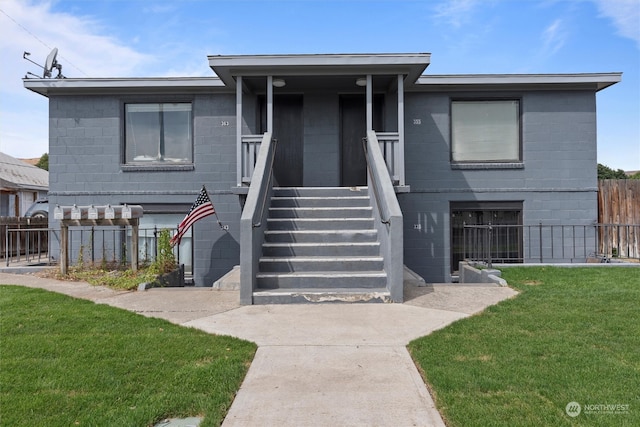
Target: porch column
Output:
[
  {"x": 369, "y": 103},
  {"x": 239, "y": 130},
  {"x": 400, "y": 154},
  {"x": 270, "y": 104}
]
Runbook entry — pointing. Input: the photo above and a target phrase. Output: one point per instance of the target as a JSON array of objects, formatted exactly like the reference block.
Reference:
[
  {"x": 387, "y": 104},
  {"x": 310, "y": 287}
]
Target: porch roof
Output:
[{"x": 227, "y": 67}]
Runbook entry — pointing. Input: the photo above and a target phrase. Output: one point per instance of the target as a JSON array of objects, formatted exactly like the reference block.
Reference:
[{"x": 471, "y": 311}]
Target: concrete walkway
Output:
[{"x": 316, "y": 365}]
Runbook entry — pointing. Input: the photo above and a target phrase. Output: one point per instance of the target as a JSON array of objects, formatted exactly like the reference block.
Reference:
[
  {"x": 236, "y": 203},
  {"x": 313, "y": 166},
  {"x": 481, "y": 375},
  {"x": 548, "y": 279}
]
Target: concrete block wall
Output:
[
  {"x": 557, "y": 180},
  {"x": 85, "y": 160}
]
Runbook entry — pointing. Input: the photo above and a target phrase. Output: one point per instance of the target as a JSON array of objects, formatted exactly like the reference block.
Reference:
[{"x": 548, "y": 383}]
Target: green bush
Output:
[{"x": 165, "y": 261}]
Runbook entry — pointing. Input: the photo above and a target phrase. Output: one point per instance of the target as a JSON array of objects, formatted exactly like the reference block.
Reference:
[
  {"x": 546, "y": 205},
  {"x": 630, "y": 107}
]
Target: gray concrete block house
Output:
[{"x": 331, "y": 171}]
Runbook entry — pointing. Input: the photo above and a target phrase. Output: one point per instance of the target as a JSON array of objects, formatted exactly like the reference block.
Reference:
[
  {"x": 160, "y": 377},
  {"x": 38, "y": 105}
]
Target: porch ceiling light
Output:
[
  {"x": 279, "y": 83},
  {"x": 361, "y": 81}
]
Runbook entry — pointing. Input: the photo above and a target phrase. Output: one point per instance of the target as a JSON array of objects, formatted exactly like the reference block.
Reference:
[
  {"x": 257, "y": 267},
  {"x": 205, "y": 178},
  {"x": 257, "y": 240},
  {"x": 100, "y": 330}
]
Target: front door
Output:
[
  {"x": 288, "y": 130},
  {"x": 353, "y": 127}
]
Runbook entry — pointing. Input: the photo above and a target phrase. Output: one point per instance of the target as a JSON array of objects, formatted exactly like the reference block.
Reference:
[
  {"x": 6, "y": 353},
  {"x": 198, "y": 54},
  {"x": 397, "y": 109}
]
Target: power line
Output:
[{"x": 37, "y": 38}]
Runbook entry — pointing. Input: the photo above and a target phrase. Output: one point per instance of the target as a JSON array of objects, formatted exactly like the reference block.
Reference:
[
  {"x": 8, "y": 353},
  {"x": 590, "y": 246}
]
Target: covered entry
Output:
[
  {"x": 320, "y": 107},
  {"x": 301, "y": 121}
]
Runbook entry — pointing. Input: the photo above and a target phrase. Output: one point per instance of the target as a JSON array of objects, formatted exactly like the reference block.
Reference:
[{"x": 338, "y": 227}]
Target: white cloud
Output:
[
  {"x": 553, "y": 38},
  {"x": 85, "y": 49},
  {"x": 625, "y": 15},
  {"x": 455, "y": 12},
  {"x": 82, "y": 41}
]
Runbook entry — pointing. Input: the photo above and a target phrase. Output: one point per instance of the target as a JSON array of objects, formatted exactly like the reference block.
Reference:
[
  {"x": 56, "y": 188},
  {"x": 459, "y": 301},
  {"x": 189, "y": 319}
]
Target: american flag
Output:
[{"x": 201, "y": 207}]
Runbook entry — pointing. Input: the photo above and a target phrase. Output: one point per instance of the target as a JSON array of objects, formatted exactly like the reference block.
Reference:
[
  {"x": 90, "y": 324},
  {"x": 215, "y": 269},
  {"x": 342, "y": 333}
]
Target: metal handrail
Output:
[
  {"x": 274, "y": 141},
  {"x": 373, "y": 183}
]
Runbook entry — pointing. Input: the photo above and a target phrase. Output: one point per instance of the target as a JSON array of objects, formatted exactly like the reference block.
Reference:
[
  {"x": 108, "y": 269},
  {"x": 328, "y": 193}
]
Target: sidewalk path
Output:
[{"x": 316, "y": 365}]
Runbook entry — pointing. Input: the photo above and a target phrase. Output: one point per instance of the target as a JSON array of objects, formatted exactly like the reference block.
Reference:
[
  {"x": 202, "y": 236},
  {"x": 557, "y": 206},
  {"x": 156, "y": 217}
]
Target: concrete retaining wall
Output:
[{"x": 470, "y": 274}]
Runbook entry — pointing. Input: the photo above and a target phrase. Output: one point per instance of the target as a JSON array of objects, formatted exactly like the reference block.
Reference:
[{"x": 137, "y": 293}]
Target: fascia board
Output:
[
  {"x": 114, "y": 85},
  {"x": 597, "y": 81}
]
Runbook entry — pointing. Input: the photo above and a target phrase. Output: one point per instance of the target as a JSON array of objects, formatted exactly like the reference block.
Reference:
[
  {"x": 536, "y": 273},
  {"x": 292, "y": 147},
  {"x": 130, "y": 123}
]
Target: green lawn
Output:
[
  {"x": 67, "y": 362},
  {"x": 572, "y": 335}
]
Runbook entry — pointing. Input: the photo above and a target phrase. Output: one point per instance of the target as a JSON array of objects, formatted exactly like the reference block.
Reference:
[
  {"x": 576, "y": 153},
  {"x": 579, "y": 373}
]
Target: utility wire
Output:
[{"x": 37, "y": 38}]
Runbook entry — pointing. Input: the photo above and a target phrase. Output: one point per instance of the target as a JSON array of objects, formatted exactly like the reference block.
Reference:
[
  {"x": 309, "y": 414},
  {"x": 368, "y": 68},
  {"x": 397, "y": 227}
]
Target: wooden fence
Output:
[
  {"x": 619, "y": 204},
  {"x": 36, "y": 242}
]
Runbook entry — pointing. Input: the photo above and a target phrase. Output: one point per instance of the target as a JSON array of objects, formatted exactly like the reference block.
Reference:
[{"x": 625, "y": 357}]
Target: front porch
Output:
[
  {"x": 321, "y": 244},
  {"x": 326, "y": 121},
  {"x": 319, "y": 107}
]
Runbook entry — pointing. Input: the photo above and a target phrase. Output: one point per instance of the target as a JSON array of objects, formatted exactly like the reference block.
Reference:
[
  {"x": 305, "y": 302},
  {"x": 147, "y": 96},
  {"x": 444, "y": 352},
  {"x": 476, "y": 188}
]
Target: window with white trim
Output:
[
  {"x": 485, "y": 131},
  {"x": 158, "y": 133}
]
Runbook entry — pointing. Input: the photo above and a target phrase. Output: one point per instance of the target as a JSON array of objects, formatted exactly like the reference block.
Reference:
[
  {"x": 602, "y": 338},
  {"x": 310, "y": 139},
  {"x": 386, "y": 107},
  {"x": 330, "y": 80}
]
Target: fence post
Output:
[
  {"x": 540, "y": 234},
  {"x": 93, "y": 246},
  {"x": 64, "y": 248},
  {"x": 490, "y": 229},
  {"x": 134, "y": 246},
  {"x": 464, "y": 240}
]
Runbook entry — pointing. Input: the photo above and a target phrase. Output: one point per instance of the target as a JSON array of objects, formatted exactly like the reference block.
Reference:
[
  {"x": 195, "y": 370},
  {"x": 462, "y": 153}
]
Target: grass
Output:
[
  {"x": 572, "y": 335},
  {"x": 66, "y": 362}
]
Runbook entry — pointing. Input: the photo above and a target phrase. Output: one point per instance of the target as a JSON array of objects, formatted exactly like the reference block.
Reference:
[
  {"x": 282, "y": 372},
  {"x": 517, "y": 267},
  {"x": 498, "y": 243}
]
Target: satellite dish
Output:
[{"x": 50, "y": 63}]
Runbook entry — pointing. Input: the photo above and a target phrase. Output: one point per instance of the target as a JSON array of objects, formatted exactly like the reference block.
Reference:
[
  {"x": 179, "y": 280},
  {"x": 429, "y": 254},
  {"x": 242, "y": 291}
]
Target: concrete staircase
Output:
[{"x": 321, "y": 245}]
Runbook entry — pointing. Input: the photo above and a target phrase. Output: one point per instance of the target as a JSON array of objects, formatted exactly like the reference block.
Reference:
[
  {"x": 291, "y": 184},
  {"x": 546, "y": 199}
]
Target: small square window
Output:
[
  {"x": 158, "y": 133},
  {"x": 485, "y": 131}
]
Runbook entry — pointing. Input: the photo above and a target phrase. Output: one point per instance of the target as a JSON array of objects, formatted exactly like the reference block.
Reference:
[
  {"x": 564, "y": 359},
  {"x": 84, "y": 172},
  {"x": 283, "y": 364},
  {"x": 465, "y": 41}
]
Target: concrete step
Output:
[
  {"x": 321, "y": 245},
  {"x": 322, "y": 212},
  {"x": 321, "y": 236},
  {"x": 319, "y": 263},
  {"x": 319, "y": 223},
  {"x": 314, "y": 296},
  {"x": 321, "y": 249},
  {"x": 310, "y": 202},
  {"x": 334, "y": 280},
  {"x": 319, "y": 191}
]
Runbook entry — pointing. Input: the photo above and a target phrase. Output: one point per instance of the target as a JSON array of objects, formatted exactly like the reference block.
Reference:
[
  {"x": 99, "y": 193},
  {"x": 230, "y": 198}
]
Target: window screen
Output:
[
  {"x": 485, "y": 131},
  {"x": 158, "y": 133}
]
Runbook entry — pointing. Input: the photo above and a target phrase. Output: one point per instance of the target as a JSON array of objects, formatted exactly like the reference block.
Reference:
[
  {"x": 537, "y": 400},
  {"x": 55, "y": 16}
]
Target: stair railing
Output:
[
  {"x": 387, "y": 214},
  {"x": 269, "y": 185},
  {"x": 253, "y": 219}
]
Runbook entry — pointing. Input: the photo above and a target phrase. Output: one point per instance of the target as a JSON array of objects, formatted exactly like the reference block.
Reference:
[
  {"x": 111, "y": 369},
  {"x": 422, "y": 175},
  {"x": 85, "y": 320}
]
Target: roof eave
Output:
[
  {"x": 595, "y": 81},
  {"x": 66, "y": 86}
]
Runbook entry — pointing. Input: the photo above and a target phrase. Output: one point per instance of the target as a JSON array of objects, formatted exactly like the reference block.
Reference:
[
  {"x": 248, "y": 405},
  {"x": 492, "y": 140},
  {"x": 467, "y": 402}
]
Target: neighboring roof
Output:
[
  {"x": 594, "y": 81},
  {"x": 18, "y": 175},
  {"x": 31, "y": 162},
  {"x": 229, "y": 66}
]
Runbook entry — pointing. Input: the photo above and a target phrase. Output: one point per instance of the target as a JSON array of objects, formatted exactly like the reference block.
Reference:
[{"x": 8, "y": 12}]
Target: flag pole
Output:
[{"x": 215, "y": 211}]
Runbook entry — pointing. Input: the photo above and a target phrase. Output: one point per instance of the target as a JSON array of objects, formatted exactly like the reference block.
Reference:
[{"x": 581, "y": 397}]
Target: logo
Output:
[{"x": 573, "y": 409}]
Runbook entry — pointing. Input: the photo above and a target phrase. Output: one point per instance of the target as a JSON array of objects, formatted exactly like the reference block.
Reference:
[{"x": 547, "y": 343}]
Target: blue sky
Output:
[{"x": 142, "y": 38}]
